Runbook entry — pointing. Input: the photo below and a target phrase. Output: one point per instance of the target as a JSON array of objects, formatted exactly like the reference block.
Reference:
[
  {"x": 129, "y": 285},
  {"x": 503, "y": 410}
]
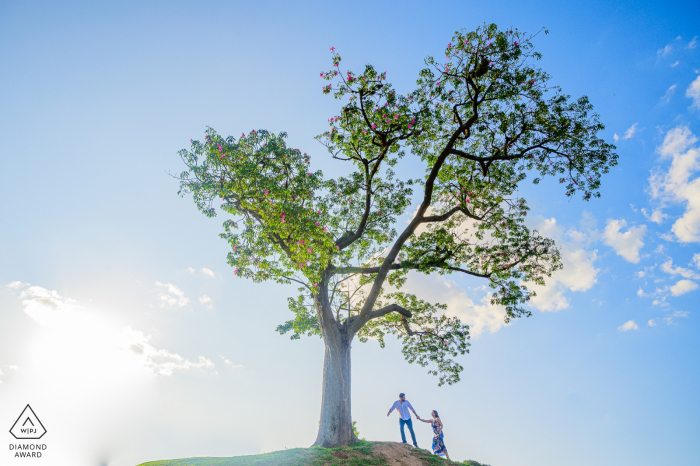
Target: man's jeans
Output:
[{"x": 408, "y": 423}]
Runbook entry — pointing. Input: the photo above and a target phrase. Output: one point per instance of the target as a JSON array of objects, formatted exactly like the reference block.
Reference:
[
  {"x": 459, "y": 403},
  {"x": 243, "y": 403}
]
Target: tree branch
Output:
[
  {"x": 427, "y": 198},
  {"x": 382, "y": 312}
]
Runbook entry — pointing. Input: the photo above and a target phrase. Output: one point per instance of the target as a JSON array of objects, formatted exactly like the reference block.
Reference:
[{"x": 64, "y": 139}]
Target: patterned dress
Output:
[{"x": 438, "y": 443}]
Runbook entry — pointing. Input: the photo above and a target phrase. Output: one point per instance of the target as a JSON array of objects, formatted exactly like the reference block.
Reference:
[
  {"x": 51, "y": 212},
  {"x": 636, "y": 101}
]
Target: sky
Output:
[{"x": 124, "y": 328}]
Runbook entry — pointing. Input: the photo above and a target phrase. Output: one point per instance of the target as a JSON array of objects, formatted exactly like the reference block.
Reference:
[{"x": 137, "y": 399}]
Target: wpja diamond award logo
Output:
[{"x": 28, "y": 427}]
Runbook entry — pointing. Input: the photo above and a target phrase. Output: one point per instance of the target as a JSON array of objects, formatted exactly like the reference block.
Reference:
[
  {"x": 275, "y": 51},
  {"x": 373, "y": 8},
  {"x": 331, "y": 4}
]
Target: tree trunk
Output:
[{"x": 335, "y": 428}]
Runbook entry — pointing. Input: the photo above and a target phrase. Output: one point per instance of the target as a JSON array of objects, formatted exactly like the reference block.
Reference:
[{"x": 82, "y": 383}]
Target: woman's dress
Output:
[{"x": 438, "y": 443}]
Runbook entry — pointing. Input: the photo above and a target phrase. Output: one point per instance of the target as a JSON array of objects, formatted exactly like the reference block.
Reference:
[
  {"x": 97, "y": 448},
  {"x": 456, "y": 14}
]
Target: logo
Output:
[{"x": 28, "y": 426}]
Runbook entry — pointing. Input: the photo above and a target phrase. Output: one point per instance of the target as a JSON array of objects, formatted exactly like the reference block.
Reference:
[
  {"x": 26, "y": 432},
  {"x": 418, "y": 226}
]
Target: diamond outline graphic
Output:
[{"x": 35, "y": 417}]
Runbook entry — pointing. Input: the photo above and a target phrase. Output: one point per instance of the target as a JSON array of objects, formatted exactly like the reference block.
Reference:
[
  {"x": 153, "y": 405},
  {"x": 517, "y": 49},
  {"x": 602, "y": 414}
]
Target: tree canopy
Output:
[{"x": 481, "y": 121}]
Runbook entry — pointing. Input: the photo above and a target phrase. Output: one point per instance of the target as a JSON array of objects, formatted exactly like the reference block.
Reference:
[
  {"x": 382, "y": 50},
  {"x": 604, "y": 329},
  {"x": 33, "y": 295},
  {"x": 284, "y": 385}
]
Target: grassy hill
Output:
[{"x": 361, "y": 454}]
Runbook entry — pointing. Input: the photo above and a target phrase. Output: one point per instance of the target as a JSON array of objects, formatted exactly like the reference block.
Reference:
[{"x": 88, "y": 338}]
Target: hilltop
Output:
[{"x": 361, "y": 454}]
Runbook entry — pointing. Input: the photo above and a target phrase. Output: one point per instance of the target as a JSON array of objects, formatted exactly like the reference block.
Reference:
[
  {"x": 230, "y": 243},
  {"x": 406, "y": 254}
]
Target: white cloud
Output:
[
  {"x": 683, "y": 272},
  {"x": 229, "y": 363},
  {"x": 13, "y": 367},
  {"x": 693, "y": 92},
  {"x": 207, "y": 271},
  {"x": 17, "y": 285},
  {"x": 657, "y": 216},
  {"x": 616, "y": 137},
  {"x": 641, "y": 293},
  {"x": 550, "y": 298},
  {"x": 651, "y": 323},
  {"x": 693, "y": 43},
  {"x": 160, "y": 361},
  {"x": 190, "y": 269},
  {"x": 206, "y": 300},
  {"x": 171, "y": 295},
  {"x": 677, "y": 185},
  {"x": 682, "y": 287},
  {"x": 479, "y": 316},
  {"x": 630, "y": 132},
  {"x": 625, "y": 244},
  {"x": 47, "y": 307},
  {"x": 660, "y": 302},
  {"x": 664, "y": 51},
  {"x": 675, "y": 64},
  {"x": 629, "y": 325},
  {"x": 669, "y": 319},
  {"x": 696, "y": 260},
  {"x": 578, "y": 274},
  {"x": 669, "y": 93}
]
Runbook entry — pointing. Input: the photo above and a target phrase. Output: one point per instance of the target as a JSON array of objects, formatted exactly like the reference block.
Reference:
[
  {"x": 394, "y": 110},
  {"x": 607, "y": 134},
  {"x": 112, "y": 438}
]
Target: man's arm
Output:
[
  {"x": 414, "y": 411},
  {"x": 392, "y": 408}
]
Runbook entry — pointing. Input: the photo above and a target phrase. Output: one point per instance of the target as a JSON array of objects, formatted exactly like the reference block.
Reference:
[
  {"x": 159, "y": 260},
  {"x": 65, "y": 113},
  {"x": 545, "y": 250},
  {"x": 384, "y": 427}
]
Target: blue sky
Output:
[{"x": 123, "y": 327}]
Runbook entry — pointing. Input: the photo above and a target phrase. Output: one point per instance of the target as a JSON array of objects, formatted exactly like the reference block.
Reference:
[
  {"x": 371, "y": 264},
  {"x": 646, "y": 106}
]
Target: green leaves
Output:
[
  {"x": 305, "y": 320},
  {"x": 429, "y": 338},
  {"x": 279, "y": 226}
]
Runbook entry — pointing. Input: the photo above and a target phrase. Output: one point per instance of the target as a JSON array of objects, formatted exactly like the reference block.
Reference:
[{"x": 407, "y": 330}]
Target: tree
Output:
[{"x": 481, "y": 123}]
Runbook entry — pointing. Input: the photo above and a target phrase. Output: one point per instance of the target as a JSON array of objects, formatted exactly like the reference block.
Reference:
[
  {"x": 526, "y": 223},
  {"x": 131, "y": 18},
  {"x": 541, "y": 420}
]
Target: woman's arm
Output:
[{"x": 423, "y": 420}]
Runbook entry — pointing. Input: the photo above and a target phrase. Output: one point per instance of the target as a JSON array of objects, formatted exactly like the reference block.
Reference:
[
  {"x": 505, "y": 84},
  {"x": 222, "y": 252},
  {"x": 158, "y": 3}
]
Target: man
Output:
[{"x": 402, "y": 406}]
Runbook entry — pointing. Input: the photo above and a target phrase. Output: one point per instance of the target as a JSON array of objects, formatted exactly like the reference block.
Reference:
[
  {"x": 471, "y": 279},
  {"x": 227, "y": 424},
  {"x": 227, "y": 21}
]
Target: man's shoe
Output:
[{"x": 415, "y": 445}]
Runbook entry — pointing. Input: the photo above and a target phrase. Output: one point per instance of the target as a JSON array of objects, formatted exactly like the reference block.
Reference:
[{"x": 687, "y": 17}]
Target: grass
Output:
[{"x": 359, "y": 454}]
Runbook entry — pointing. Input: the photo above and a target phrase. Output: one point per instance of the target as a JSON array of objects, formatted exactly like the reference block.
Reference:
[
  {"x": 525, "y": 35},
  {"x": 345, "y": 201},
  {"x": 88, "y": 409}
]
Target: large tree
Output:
[{"x": 480, "y": 121}]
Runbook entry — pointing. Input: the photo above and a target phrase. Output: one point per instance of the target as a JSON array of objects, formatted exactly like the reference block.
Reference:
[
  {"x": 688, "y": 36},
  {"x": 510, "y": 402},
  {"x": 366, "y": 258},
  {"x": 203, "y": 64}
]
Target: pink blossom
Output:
[
  {"x": 265, "y": 192},
  {"x": 332, "y": 48},
  {"x": 374, "y": 126},
  {"x": 235, "y": 272},
  {"x": 235, "y": 248},
  {"x": 316, "y": 223}
]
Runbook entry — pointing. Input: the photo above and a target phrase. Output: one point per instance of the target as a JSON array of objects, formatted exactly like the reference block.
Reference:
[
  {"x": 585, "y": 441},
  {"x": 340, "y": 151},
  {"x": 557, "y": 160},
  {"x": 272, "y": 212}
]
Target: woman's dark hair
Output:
[{"x": 436, "y": 413}]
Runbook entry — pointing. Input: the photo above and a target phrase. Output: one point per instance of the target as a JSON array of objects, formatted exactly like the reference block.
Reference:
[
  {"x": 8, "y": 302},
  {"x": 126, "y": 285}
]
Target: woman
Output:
[{"x": 438, "y": 443}]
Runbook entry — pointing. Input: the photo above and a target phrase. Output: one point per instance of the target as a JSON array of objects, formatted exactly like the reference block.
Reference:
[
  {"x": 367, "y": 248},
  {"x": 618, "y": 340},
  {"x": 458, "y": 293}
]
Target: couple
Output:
[{"x": 402, "y": 406}]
